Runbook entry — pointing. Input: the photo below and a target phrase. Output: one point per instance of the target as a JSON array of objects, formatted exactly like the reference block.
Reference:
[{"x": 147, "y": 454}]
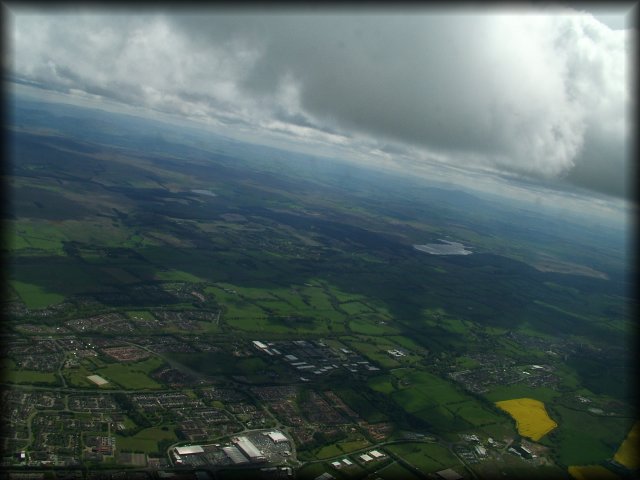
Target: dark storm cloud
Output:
[
  {"x": 602, "y": 167},
  {"x": 542, "y": 95}
]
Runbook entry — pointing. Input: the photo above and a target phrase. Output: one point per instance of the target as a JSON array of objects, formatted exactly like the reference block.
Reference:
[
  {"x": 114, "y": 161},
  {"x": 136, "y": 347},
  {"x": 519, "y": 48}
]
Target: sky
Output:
[{"x": 533, "y": 93}]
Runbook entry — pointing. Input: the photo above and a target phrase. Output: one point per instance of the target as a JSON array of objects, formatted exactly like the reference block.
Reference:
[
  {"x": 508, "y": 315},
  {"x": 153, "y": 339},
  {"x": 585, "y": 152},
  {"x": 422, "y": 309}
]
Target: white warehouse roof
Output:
[
  {"x": 189, "y": 450},
  {"x": 248, "y": 448},
  {"x": 235, "y": 455},
  {"x": 278, "y": 437}
]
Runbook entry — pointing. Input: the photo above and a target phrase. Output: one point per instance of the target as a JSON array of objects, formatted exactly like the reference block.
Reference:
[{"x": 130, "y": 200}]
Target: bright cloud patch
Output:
[{"x": 543, "y": 94}]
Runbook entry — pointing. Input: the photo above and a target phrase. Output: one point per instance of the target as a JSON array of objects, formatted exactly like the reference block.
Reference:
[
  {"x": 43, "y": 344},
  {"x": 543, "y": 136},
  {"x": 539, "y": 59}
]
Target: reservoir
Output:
[
  {"x": 205, "y": 192},
  {"x": 446, "y": 248}
]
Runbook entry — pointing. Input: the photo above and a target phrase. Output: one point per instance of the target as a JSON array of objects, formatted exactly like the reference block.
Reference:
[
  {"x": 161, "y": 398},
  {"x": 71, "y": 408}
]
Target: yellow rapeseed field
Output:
[
  {"x": 627, "y": 454},
  {"x": 592, "y": 472},
  {"x": 530, "y": 415}
]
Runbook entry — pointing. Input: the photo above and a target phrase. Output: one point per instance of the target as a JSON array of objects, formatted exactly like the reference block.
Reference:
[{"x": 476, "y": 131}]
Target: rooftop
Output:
[
  {"x": 189, "y": 450},
  {"x": 278, "y": 437}
]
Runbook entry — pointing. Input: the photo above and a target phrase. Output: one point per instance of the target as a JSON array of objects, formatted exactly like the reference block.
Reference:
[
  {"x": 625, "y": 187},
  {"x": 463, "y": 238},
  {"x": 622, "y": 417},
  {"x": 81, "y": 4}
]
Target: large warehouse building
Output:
[
  {"x": 277, "y": 437},
  {"x": 235, "y": 455},
  {"x": 249, "y": 449},
  {"x": 190, "y": 450},
  {"x": 179, "y": 452}
]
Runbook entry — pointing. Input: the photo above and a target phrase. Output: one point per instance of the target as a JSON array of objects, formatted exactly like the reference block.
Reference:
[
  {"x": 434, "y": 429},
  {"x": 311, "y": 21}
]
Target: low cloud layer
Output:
[{"x": 544, "y": 94}]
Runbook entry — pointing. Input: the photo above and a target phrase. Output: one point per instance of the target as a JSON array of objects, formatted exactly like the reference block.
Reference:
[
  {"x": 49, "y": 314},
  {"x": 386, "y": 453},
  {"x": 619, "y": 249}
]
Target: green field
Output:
[
  {"x": 412, "y": 400},
  {"x": 583, "y": 439},
  {"x": 406, "y": 342},
  {"x": 221, "y": 363},
  {"x": 34, "y": 296},
  {"x": 507, "y": 392},
  {"x": 307, "y": 472},
  {"x": 442, "y": 320},
  {"x": 140, "y": 314},
  {"x": 361, "y": 405},
  {"x": 426, "y": 457},
  {"x": 178, "y": 276},
  {"x": 297, "y": 309},
  {"x": 355, "y": 308},
  {"x": 442, "y": 420},
  {"x": 77, "y": 377},
  {"x": 438, "y": 402},
  {"x": 371, "y": 325},
  {"x": 328, "y": 451},
  {"x": 133, "y": 376},
  {"x": 395, "y": 471},
  {"x": 41, "y": 283},
  {"x": 475, "y": 414},
  {"x": 376, "y": 352},
  {"x": 426, "y": 385},
  {"x": 29, "y": 234},
  {"x": 349, "y": 446},
  {"x": 340, "y": 448},
  {"x": 145, "y": 441},
  {"x": 382, "y": 384},
  {"x": 31, "y": 377}
]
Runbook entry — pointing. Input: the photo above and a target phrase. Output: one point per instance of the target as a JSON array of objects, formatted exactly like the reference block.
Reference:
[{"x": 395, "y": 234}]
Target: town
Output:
[{"x": 232, "y": 421}]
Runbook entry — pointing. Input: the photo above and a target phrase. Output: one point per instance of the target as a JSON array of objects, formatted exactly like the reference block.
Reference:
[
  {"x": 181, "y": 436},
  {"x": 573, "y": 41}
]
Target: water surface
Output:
[{"x": 446, "y": 248}]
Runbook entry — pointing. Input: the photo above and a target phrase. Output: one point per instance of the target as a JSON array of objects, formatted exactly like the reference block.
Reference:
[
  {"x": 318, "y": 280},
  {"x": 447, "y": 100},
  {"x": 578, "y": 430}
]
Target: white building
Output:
[
  {"x": 190, "y": 450},
  {"x": 277, "y": 437},
  {"x": 249, "y": 449},
  {"x": 235, "y": 455}
]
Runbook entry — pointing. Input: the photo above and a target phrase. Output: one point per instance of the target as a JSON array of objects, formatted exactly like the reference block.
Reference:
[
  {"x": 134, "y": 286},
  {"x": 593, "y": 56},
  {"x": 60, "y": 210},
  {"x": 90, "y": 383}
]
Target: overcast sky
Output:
[{"x": 539, "y": 93}]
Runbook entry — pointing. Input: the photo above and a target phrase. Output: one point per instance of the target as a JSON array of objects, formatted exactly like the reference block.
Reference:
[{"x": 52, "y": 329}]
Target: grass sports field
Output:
[
  {"x": 426, "y": 457},
  {"x": 146, "y": 440},
  {"x": 132, "y": 375},
  {"x": 531, "y": 417}
]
